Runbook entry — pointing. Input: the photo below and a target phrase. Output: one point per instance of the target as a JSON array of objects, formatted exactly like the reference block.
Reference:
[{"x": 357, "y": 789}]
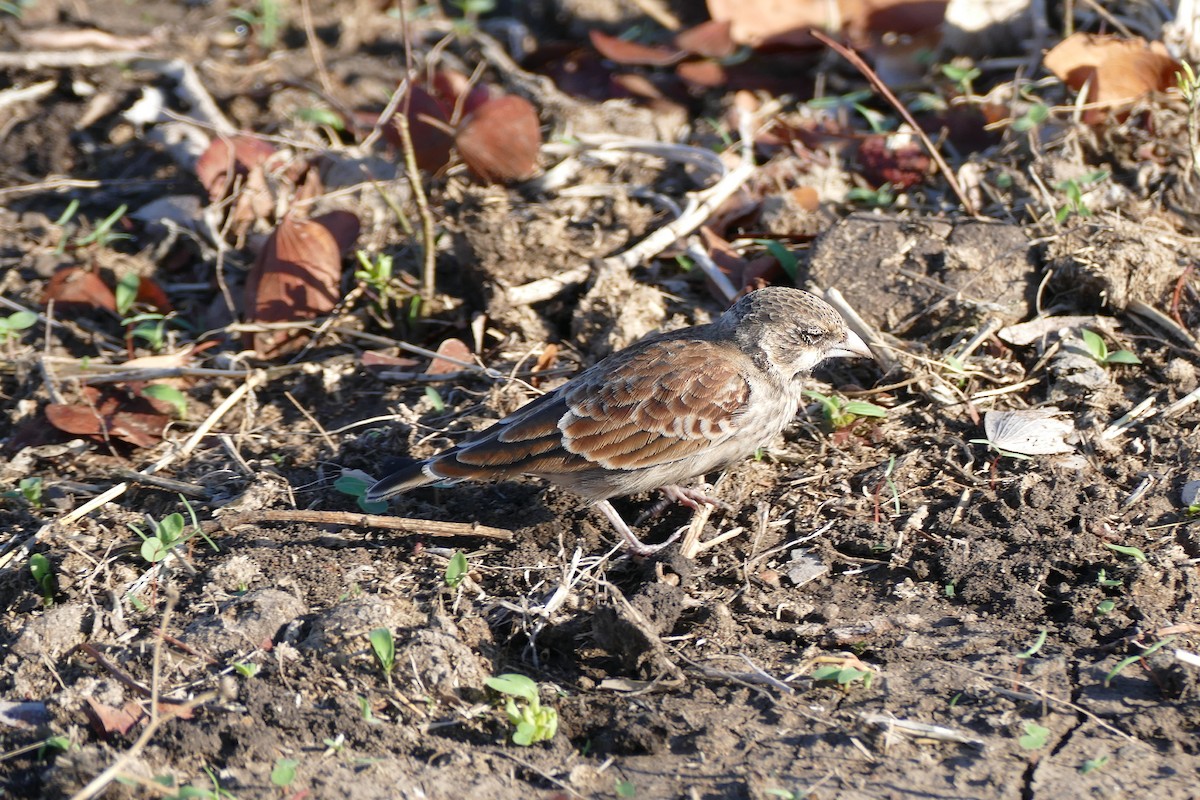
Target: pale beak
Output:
[{"x": 851, "y": 347}]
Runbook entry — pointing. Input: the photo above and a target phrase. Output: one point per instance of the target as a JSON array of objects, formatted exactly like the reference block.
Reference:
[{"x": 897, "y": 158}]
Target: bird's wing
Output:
[{"x": 663, "y": 403}]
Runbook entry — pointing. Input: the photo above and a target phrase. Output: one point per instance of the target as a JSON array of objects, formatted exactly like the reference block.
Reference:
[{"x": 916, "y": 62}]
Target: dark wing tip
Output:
[{"x": 399, "y": 482}]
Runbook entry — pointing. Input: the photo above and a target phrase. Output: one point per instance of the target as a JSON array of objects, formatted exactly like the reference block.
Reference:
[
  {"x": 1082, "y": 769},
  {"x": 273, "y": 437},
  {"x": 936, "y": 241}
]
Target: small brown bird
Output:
[{"x": 662, "y": 411}]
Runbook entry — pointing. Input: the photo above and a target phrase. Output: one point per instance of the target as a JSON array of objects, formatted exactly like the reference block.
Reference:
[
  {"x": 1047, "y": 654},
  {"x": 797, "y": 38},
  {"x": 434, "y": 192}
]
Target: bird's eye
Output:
[{"x": 810, "y": 336}]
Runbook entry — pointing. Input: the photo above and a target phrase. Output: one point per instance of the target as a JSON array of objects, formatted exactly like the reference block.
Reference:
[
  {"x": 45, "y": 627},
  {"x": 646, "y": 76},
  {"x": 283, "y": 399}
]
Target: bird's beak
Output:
[{"x": 851, "y": 347}]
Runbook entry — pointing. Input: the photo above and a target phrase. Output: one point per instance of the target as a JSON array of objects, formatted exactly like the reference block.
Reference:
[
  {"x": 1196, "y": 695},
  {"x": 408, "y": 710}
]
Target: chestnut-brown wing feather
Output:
[
  {"x": 665, "y": 402},
  {"x": 670, "y": 400}
]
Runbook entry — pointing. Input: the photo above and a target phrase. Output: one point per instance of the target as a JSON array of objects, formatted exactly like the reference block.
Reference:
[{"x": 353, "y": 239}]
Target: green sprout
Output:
[
  {"x": 103, "y": 234},
  {"x": 1073, "y": 189},
  {"x": 12, "y": 325},
  {"x": 246, "y": 669},
  {"x": 844, "y": 675},
  {"x": 356, "y": 483},
  {"x": 786, "y": 258},
  {"x": 1034, "y": 116},
  {"x": 1035, "y": 737},
  {"x": 963, "y": 76},
  {"x": 841, "y": 413},
  {"x": 1098, "y": 350},
  {"x": 1092, "y": 764},
  {"x": 167, "y": 394},
  {"x": 1125, "y": 662},
  {"x": 28, "y": 489},
  {"x": 284, "y": 772},
  {"x": 1133, "y": 552},
  {"x": 383, "y": 646},
  {"x": 456, "y": 570},
  {"x": 43, "y": 576},
  {"x": 881, "y": 197},
  {"x": 127, "y": 292},
  {"x": 168, "y": 533},
  {"x": 524, "y": 710},
  {"x": 1037, "y": 645}
]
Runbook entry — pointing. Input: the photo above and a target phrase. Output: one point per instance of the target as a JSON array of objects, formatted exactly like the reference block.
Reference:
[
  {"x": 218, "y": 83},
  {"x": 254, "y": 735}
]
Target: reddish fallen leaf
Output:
[
  {"x": 626, "y": 52},
  {"x": 724, "y": 256},
  {"x": 703, "y": 74},
  {"x": 428, "y": 127},
  {"x": 343, "y": 226},
  {"x": 150, "y": 293},
  {"x": 225, "y": 159},
  {"x": 374, "y": 358},
  {"x": 711, "y": 39},
  {"x": 1116, "y": 71},
  {"x": 296, "y": 277},
  {"x": 110, "y": 414},
  {"x": 902, "y": 166},
  {"x": 76, "y": 287},
  {"x": 107, "y": 720},
  {"x": 774, "y": 22},
  {"x": 454, "y": 348},
  {"x": 501, "y": 140},
  {"x": 449, "y": 85}
]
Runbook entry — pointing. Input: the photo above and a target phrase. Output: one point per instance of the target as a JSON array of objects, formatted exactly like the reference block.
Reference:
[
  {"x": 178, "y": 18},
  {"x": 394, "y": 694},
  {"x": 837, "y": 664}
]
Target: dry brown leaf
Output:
[
  {"x": 107, "y": 720},
  {"x": 758, "y": 22},
  {"x": 79, "y": 287},
  {"x": 296, "y": 277},
  {"x": 226, "y": 159},
  {"x": 110, "y": 414},
  {"x": 448, "y": 86},
  {"x": 501, "y": 140},
  {"x": 454, "y": 348},
  {"x": 428, "y": 127},
  {"x": 711, "y": 39},
  {"x": 1117, "y": 71},
  {"x": 626, "y": 52}
]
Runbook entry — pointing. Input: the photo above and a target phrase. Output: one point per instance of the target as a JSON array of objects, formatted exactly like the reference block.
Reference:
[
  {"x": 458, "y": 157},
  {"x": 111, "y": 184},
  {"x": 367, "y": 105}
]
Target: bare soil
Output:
[{"x": 992, "y": 597}]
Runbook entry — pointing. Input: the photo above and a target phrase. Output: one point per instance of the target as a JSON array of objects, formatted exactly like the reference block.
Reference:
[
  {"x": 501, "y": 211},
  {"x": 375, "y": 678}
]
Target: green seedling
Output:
[
  {"x": 284, "y": 773},
  {"x": 28, "y": 489},
  {"x": 1102, "y": 579},
  {"x": 1098, "y": 350},
  {"x": 456, "y": 570},
  {"x": 1092, "y": 764},
  {"x": 103, "y": 234},
  {"x": 335, "y": 745},
  {"x": 168, "y": 533},
  {"x": 150, "y": 328},
  {"x": 841, "y": 413},
  {"x": 1073, "y": 189},
  {"x": 625, "y": 789},
  {"x": 1038, "y": 643},
  {"x": 167, "y": 394},
  {"x": 356, "y": 483},
  {"x": 1105, "y": 607},
  {"x": 435, "y": 399},
  {"x": 1133, "y": 552},
  {"x": 43, "y": 576},
  {"x": 127, "y": 291},
  {"x": 12, "y": 325},
  {"x": 378, "y": 278},
  {"x": 524, "y": 710},
  {"x": 844, "y": 675},
  {"x": 853, "y": 100},
  {"x": 53, "y": 744},
  {"x": 876, "y": 198},
  {"x": 1035, "y": 737},
  {"x": 246, "y": 669},
  {"x": 364, "y": 708},
  {"x": 383, "y": 645},
  {"x": 786, "y": 258},
  {"x": 1125, "y": 662},
  {"x": 963, "y": 76},
  {"x": 320, "y": 117},
  {"x": 1034, "y": 116}
]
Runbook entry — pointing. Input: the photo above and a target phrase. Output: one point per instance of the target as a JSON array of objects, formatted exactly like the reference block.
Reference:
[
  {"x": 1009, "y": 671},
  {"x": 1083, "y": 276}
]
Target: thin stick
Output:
[
  {"x": 856, "y": 60},
  {"x": 356, "y": 520},
  {"x": 314, "y": 46}
]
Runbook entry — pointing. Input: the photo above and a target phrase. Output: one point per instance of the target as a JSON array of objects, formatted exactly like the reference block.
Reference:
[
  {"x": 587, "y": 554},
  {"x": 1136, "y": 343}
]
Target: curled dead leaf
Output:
[
  {"x": 110, "y": 414},
  {"x": 501, "y": 140},
  {"x": 711, "y": 39},
  {"x": 428, "y": 127},
  {"x": 453, "y": 348},
  {"x": 297, "y": 277},
  {"x": 79, "y": 288},
  {"x": 630, "y": 53},
  {"x": 1117, "y": 71},
  {"x": 226, "y": 159}
]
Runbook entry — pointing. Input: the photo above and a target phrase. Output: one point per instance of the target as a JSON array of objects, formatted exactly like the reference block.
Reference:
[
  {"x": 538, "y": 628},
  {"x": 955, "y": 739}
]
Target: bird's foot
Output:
[
  {"x": 693, "y": 498},
  {"x": 632, "y": 542}
]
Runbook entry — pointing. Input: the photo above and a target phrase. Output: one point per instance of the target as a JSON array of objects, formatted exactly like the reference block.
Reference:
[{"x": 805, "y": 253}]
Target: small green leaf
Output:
[
  {"x": 1133, "y": 552},
  {"x": 1035, "y": 737},
  {"x": 1122, "y": 357},
  {"x": 1095, "y": 345},
  {"x": 862, "y": 409},
  {"x": 320, "y": 116},
  {"x": 1105, "y": 607},
  {"x": 515, "y": 685},
  {"x": 153, "y": 550},
  {"x": 786, "y": 258},
  {"x": 20, "y": 320},
  {"x": 1093, "y": 764},
  {"x": 39, "y": 567},
  {"x": 167, "y": 394},
  {"x": 353, "y": 485},
  {"x": 171, "y": 528},
  {"x": 384, "y": 648},
  {"x": 435, "y": 399},
  {"x": 456, "y": 570},
  {"x": 127, "y": 291},
  {"x": 627, "y": 789},
  {"x": 284, "y": 772},
  {"x": 1037, "y": 645}
]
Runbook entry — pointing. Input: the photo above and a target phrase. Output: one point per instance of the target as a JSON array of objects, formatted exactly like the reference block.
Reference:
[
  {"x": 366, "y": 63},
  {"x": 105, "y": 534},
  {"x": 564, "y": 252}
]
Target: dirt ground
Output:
[{"x": 902, "y": 610}]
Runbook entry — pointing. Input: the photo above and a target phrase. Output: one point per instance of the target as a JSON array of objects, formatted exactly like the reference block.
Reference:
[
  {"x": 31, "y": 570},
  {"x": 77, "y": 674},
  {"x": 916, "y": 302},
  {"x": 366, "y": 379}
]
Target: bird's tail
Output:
[{"x": 401, "y": 481}]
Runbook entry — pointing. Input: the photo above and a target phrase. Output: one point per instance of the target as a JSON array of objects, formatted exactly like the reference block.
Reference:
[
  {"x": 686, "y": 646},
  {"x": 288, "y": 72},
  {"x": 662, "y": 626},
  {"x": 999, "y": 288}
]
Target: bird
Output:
[{"x": 670, "y": 407}]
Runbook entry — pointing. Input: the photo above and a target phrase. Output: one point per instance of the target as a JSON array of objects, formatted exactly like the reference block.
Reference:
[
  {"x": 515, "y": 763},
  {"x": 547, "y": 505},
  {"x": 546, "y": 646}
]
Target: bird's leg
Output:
[
  {"x": 692, "y": 498},
  {"x": 635, "y": 545}
]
